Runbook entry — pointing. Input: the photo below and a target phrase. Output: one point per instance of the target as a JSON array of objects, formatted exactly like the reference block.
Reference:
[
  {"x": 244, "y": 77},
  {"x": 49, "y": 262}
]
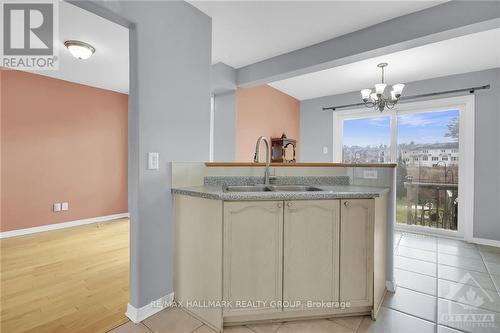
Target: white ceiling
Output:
[
  {"x": 464, "y": 54},
  {"x": 245, "y": 32},
  {"x": 108, "y": 68}
]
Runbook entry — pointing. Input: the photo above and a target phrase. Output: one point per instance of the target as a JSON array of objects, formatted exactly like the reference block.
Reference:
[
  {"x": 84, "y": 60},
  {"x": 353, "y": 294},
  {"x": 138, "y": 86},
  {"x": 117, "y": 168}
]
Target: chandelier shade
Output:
[
  {"x": 365, "y": 93},
  {"x": 379, "y": 88},
  {"x": 398, "y": 88}
]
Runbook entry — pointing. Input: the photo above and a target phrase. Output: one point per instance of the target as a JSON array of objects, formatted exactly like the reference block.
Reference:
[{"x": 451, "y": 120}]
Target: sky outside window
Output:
[
  {"x": 426, "y": 127},
  {"x": 367, "y": 131},
  {"x": 367, "y": 140}
]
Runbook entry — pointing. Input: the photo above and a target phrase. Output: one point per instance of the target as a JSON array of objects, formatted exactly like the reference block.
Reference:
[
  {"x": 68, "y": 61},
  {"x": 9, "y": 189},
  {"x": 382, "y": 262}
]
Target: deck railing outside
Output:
[{"x": 429, "y": 203}]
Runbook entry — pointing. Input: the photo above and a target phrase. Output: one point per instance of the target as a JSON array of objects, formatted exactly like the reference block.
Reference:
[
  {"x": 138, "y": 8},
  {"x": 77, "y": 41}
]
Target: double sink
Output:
[{"x": 271, "y": 188}]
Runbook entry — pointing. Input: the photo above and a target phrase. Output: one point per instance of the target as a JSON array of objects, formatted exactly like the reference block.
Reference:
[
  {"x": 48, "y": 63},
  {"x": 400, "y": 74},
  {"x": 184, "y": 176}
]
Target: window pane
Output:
[
  {"x": 427, "y": 174},
  {"x": 367, "y": 140}
]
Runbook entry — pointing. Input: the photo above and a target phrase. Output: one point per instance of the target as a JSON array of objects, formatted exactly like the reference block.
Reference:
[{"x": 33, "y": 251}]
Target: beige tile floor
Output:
[{"x": 444, "y": 286}]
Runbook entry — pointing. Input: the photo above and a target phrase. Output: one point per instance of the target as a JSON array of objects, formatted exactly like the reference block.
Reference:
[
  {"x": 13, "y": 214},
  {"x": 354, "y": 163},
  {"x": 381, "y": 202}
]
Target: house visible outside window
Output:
[
  {"x": 444, "y": 158},
  {"x": 435, "y": 158},
  {"x": 425, "y": 158}
]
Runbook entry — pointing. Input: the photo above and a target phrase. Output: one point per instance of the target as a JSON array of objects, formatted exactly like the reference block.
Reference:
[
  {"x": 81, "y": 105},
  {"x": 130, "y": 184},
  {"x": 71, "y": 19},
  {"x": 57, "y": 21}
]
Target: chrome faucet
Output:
[{"x": 256, "y": 156}]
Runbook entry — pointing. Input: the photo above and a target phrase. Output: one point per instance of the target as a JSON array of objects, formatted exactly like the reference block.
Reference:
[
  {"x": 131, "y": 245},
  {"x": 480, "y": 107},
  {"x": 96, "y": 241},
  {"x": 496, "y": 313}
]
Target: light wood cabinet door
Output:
[
  {"x": 253, "y": 252},
  {"x": 356, "y": 251},
  {"x": 311, "y": 252}
]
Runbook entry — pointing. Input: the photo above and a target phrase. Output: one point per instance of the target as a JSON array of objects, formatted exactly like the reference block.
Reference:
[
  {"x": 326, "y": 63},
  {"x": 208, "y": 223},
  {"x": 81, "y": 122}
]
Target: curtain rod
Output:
[{"x": 470, "y": 90}]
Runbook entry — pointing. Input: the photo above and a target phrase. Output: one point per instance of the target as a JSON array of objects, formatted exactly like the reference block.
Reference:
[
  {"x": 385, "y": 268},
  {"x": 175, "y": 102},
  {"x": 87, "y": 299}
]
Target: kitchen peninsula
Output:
[{"x": 311, "y": 243}]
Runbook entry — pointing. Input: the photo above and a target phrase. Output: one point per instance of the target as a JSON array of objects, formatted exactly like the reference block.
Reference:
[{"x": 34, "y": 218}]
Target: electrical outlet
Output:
[
  {"x": 57, "y": 207},
  {"x": 370, "y": 174},
  {"x": 65, "y": 206}
]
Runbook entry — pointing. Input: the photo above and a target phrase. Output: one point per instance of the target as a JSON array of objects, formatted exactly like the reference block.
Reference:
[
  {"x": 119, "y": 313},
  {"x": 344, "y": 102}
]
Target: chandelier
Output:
[{"x": 376, "y": 99}]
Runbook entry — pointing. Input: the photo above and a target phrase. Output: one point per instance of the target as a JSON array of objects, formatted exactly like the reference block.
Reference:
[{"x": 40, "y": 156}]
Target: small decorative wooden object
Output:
[{"x": 278, "y": 149}]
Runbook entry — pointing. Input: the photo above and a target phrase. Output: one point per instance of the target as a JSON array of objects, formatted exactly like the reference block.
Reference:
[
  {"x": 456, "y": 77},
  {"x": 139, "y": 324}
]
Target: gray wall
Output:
[
  {"x": 223, "y": 81},
  {"x": 169, "y": 110},
  {"x": 225, "y": 127},
  {"x": 316, "y": 131},
  {"x": 223, "y": 78}
]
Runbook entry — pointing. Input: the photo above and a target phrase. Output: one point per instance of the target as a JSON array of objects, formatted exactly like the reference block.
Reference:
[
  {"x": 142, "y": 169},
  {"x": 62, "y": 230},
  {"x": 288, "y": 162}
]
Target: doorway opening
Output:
[{"x": 64, "y": 230}]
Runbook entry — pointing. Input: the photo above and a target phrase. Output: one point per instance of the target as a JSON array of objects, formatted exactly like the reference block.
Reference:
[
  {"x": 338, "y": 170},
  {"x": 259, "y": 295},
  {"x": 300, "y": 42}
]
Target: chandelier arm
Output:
[{"x": 369, "y": 104}]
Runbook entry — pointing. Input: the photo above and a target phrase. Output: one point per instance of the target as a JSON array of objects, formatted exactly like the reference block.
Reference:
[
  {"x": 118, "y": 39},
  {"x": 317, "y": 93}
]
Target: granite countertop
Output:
[{"x": 329, "y": 192}]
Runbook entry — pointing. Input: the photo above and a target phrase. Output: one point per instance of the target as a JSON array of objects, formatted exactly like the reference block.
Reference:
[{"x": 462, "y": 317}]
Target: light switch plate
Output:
[
  {"x": 325, "y": 150},
  {"x": 65, "y": 206},
  {"x": 370, "y": 174},
  {"x": 153, "y": 161},
  {"x": 57, "y": 207}
]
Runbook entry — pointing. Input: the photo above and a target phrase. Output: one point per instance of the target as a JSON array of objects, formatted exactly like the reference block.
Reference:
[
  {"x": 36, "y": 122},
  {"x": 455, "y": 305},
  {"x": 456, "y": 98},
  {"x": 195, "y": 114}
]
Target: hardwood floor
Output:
[{"x": 69, "y": 280}]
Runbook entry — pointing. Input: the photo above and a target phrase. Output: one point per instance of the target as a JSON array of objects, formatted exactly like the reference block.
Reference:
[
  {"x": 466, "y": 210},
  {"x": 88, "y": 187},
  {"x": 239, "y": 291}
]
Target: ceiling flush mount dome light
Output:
[
  {"x": 79, "y": 49},
  {"x": 376, "y": 98}
]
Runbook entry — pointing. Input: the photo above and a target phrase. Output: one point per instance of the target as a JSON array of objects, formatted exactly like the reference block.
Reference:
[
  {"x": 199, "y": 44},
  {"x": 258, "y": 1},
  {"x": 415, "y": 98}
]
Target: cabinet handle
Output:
[
  {"x": 280, "y": 205},
  {"x": 346, "y": 203},
  {"x": 289, "y": 204}
]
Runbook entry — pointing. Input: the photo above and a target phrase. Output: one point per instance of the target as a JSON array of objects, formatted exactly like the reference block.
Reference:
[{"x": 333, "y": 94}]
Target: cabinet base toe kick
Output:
[
  {"x": 295, "y": 316},
  {"x": 255, "y": 257}
]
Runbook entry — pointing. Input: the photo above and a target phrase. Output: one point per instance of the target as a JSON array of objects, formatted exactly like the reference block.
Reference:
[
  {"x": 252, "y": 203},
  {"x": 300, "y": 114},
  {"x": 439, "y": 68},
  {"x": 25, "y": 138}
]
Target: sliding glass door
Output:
[
  {"x": 427, "y": 144},
  {"x": 428, "y": 168}
]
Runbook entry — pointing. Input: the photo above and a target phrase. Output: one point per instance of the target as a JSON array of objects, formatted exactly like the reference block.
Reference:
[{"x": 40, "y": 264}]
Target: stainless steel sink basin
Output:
[
  {"x": 247, "y": 188},
  {"x": 295, "y": 188},
  {"x": 270, "y": 188}
]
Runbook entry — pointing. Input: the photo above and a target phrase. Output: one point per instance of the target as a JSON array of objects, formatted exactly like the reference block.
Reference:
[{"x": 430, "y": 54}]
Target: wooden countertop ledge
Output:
[{"x": 323, "y": 165}]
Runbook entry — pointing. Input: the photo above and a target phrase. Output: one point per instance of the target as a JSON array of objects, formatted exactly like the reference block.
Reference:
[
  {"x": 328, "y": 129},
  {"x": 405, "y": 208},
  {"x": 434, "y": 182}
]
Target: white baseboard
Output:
[
  {"x": 136, "y": 315},
  {"x": 484, "y": 241},
  {"x": 63, "y": 225},
  {"x": 391, "y": 286}
]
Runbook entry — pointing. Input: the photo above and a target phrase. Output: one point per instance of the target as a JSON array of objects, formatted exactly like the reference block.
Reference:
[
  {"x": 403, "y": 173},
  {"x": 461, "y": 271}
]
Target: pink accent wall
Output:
[
  {"x": 60, "y": 141},
  {"x": 266, "y": 111}
]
